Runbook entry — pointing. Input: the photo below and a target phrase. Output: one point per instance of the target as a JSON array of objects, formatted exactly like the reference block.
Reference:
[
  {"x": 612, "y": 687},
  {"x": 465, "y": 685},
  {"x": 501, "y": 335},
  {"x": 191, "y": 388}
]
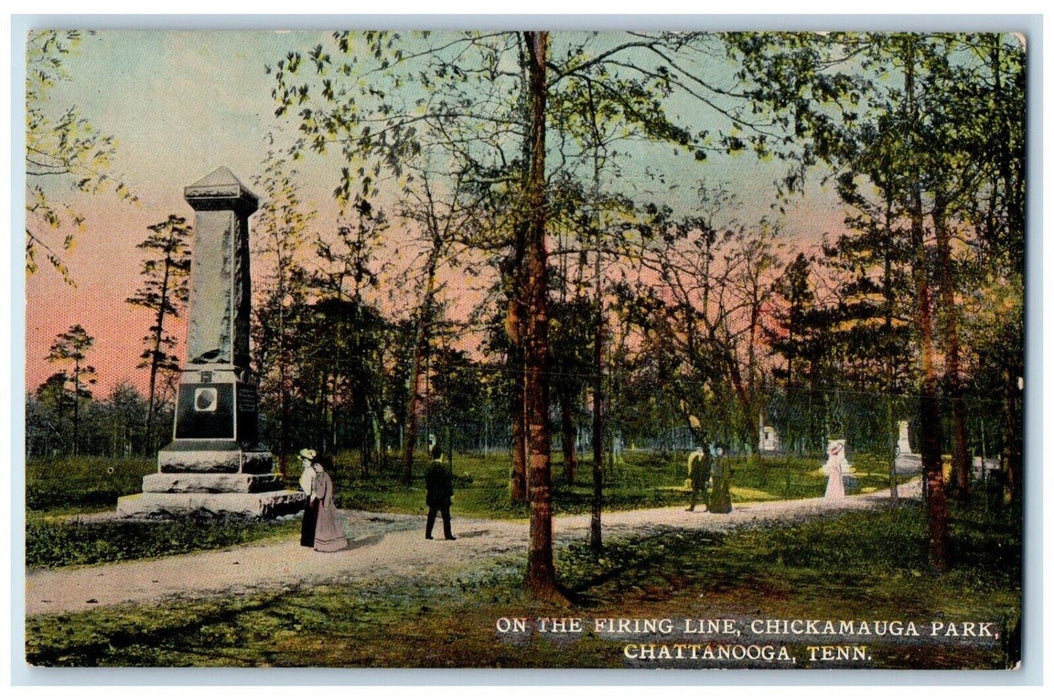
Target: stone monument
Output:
[
  {"x": 903, "y": 444},
  {"x": 215, "y": 464},
  {"x": 768, "y": 439}
]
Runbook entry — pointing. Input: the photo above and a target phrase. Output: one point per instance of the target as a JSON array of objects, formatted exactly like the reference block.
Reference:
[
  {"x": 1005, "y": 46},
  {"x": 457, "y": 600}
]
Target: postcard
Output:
[{"x": 498, "y": 349}]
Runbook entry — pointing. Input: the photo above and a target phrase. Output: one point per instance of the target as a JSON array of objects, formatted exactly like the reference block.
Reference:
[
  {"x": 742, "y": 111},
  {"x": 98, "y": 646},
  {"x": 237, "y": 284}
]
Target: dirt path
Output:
[{"x": 382, "y": 545}]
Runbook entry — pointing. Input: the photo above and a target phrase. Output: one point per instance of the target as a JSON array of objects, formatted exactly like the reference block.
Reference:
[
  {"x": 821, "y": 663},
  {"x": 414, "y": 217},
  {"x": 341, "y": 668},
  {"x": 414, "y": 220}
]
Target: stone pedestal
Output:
[{"x": 215, "y": 464}]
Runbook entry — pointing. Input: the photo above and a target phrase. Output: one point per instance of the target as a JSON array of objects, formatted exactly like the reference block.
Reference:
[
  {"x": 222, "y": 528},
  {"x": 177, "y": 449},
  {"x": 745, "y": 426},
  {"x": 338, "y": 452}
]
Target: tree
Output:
[
  {"x": 802, "y": 335},
  {"x": 482, "y": 100},
  {"x": 121, "y": 419},
  {"x": 570, "y": 365},
  {"x": 541, "y": 573},
  {"x": 1000, "y": 219},
  {"x": 72, "y": 347},
  {"x": 48, "y": 425},
  {"x": 64, "y": 150},
  {"x": 347, "y": 336},
  {"x": 704, "y": 314},
  {"x": 441, "y": 220},
  {"x": 164, "y": 293},
  {"x": 932, "y": 143},
  {"x": 281, "y": 230}
]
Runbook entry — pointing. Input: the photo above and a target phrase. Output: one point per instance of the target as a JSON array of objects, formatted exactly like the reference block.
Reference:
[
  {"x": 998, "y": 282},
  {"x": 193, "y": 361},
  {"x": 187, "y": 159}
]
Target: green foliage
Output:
[
  {"x": 113, "y": 427},
  {"x": 63, "y": 150}
]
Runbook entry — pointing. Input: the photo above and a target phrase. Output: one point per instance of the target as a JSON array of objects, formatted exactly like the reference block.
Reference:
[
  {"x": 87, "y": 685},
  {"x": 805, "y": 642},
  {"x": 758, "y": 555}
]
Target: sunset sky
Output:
[{"x": 181, "y": 104}]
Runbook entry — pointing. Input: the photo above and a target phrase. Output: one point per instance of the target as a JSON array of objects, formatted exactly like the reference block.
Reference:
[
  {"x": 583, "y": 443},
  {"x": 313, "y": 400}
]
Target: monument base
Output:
[
  {"x": 250, "y": 505},
  {"x": 219, "y": 479},
  {"x": 212, "y": 457},
  {"x": 211, "y": 483}
]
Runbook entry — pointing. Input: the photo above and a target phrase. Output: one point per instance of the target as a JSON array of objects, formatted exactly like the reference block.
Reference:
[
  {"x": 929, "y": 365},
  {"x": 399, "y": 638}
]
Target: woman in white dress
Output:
[{"x": 836, "y": 467}]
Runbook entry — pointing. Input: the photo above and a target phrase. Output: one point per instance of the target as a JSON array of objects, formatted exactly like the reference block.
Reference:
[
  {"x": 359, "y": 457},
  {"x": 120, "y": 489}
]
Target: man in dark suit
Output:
[{"x": 440, "y": 487}]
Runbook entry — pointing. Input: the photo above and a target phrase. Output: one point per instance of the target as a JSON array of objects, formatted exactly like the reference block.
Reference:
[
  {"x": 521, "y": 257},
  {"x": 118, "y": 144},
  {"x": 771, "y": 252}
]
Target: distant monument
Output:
[
  {"x": 215, "y": 464},
  {"x": 903, "y": 444},
  {"x": 768, "y": 439}
]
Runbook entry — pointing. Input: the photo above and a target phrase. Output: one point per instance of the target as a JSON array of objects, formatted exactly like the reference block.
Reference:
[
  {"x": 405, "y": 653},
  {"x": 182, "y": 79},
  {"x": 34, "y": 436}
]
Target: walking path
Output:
[{"x": 381, "y": 546}]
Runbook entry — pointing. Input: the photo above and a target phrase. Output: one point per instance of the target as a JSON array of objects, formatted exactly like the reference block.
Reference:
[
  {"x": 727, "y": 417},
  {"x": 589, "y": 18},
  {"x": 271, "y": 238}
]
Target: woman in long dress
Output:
[
  {"x": 307, "y": 482},
  {"x": 835, "y": 468},
  {"x": 329, "y": 532}
]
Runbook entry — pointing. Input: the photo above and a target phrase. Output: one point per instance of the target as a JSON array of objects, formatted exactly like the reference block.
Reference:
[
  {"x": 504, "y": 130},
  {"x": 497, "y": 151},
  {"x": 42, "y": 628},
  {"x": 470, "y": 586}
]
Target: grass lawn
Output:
[
  {"x": 56, "y": 490},
  {"x": 861, "y": 566},
  {"x": 639, "y": 480}
]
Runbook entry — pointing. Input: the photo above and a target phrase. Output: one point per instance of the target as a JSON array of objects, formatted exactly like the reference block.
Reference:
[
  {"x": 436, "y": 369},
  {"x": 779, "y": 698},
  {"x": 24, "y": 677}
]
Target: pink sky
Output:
[{"x": 181, "y": 104}]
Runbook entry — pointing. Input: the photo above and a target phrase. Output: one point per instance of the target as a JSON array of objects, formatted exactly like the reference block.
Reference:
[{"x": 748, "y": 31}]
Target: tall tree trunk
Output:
[
  {"x": 515, "y": 324},
  {"x": 929, "y": 407},
  {"x": 283, "y": 375},
  {"x": 283, "y": 414},
  {"x": 1013, "y": 436},
  {"x": 596, "y": 540},
  {"x": 514, "y": 327},
  {"x": 595, "y": 534},
  {"x": 541, "y": 573},
  {"x": 421, "y": 339},
  {"x": 950, "y": 323},
  {"x": 567, "y": 428},
  {"x": 76, "y": 406},
  {"x": 155, "y": 357},
  {"x": 887, "y": 324}
]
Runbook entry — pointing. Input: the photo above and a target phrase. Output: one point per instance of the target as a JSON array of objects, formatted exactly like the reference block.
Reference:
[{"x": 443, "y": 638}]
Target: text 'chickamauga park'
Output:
[{"x": 745, "y": 641}]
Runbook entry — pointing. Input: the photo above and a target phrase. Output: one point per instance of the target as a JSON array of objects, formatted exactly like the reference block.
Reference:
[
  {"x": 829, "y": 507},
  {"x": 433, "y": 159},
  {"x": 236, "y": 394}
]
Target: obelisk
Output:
[{"x": 215, "y": 464}]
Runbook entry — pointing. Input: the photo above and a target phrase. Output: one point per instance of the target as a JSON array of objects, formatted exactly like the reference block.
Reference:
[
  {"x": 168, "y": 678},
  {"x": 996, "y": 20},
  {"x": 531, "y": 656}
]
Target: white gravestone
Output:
[{"x": 903, "y": 443}]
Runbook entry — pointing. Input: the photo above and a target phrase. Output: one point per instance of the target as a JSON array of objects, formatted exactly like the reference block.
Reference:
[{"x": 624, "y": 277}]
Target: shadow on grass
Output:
[{"x": 854, "y": 566}]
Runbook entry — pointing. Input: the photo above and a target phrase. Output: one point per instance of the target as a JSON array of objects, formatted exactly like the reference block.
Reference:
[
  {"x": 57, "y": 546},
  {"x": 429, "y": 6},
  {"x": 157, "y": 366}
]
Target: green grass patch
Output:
[
  {"x": 52, "y": 542},
  {"x": 866, "y": 566},
  {"x": 639, "y": 480},
  {"x": 83, "y": 483}
]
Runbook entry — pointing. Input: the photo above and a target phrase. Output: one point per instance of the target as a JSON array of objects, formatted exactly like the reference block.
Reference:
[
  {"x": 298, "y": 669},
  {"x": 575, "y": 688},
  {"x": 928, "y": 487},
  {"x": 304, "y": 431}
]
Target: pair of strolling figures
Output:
[
  {"x": 711, "y": 479},
  {"x": 321, "y": 528}
]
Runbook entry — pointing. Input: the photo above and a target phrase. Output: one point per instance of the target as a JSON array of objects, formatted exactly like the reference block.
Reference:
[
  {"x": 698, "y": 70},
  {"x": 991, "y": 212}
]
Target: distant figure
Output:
[
  {"x": 329, "y": 533},
  {"x": 700, "y": 464},
  {"x": 721, "y": 493},
  {"x": 307, "y": 481},
  {"x": 836, "y": 467},
  {"x": 440, "y": 488}
]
